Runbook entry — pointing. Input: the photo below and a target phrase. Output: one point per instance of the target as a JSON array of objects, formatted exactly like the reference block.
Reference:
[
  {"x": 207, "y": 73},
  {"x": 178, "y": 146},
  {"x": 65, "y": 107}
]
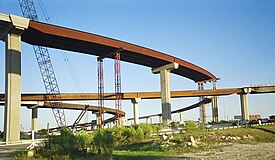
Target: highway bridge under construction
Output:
[{"x": 13, "y": 29}]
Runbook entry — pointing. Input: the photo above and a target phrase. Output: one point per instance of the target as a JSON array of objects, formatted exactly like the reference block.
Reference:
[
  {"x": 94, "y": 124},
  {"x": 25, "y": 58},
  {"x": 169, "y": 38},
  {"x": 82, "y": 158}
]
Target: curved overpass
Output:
[
  {"x": 71, "y": 106},
  {"x": 78, "y": 41},
  {"x": 204, "y": 101}
]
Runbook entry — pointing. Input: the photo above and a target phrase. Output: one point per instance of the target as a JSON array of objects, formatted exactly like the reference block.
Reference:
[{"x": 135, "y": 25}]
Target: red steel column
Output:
[
  {"x": 118, "y": 87},
  {"x": 100, "y": 118}
]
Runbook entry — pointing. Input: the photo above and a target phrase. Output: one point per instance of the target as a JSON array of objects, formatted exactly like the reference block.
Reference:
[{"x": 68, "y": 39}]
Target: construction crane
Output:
[{"x": 46, "y": 67}]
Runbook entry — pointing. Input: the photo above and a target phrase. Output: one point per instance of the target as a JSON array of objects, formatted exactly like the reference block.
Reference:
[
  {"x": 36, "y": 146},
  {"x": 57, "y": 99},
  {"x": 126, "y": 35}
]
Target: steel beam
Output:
[{"x": 129, "y": 95}]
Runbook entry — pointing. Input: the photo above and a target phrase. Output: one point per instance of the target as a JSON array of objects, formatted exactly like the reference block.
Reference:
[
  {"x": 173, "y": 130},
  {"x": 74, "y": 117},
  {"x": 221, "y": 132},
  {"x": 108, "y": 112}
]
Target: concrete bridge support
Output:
[
  {"x": 215, "y": 113},
  {"x": 160, "y": 119},
  {"x": 202, "y": 107},
  {"x": 244, "y": 103},
  {"x": 244, "y": 107},
  {"x": 181, "y": 117},
  {"x": 165, "y": 91},
  {"x": 35, "y": 120},
  {"x": 99, "y": 120},
  {"x": 135, "y": 102},
  {"x": 11, "y": 34}
]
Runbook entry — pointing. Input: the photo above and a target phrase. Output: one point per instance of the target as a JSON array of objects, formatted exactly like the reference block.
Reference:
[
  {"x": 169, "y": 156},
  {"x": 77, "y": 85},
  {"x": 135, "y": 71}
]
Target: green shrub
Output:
[
  {"x": 191, "y": 125},
  {"x": 83, "y": 140},
  {"x": 63, "y": 144},
  {"x": 146, "y": 128},
  {"x": 103, "y": 140},
  {"x": 202, "y": 127},
  {"x": 118, "y": 134},
  {"x": 174, "y": 125},
  {"x": 43, "y": 132},
  {"x": 156, "y": 128},
  {"x": 24, "y": 135},
  {"x": 139, "y": 134},
  {"x": 130, "y": 134}
]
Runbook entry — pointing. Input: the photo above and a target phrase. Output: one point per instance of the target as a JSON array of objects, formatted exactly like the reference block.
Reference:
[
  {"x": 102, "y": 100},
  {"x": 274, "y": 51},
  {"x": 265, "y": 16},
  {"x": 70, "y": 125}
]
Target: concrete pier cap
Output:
[
  {"x": 246, "y": 90},
  {"x": 12, "y": 24},
  {"x": 169, "y": 67}
]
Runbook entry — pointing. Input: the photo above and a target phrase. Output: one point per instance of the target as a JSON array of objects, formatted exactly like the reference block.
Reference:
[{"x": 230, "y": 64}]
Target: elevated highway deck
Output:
[
  {"x": 71, "y": 106},
  {"x": 204, "y": 101},
  {"x": 78, "y": 41},
  {"x": 146, "y": 95},
  {"x": 130, "y": 95}
]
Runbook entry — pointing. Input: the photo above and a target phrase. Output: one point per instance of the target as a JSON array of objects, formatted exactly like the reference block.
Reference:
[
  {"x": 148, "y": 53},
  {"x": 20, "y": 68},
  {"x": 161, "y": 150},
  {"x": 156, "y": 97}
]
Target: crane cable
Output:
[{"x": 64, "y": 54}]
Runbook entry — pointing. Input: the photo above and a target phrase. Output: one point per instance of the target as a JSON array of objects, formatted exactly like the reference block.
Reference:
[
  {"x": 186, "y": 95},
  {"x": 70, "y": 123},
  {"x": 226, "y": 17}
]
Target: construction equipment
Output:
[{"x": 46, "y": 67}]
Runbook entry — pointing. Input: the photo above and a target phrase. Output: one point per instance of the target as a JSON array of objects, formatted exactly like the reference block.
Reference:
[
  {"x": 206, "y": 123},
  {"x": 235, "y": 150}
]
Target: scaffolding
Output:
[
  {"x": 100, "y": 116},
  {"x": 118, "y": 88},
  {"x": 117, "y": 71}
]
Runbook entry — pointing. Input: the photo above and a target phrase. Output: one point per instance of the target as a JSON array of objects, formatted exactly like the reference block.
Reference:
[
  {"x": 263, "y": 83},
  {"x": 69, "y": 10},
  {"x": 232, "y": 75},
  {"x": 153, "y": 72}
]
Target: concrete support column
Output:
[
  {"x": 215, "y": 114},
  {"x": 244, "y": 106},
  {"x": 11, "y": 34},
  {"x": 151, "y": 120},
  {"x": 98, "y": 120},
  {"x": 135, "y": 102},
  {"x": 121, "y": 121},
  {"x": 181, "y": 117},
  {"x": 202, "y": 107},
  {"x": 12, "y": 88},
  {"x": 160, "y": 119},
  {"x": 165, "y": 91},
  {"x": 244, "y": 103},
  {"x": 147, "y": 120},
  {"x": 34, "y": 120}
]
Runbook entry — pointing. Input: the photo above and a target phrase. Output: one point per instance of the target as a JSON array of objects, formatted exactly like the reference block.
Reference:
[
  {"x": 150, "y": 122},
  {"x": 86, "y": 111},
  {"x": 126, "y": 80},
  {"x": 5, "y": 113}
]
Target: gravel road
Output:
[{"x": 264, "y": 151}]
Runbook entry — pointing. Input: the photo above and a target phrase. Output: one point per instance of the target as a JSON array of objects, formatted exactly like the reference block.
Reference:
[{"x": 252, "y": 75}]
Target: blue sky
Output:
[{"x": 234, "y": 40}]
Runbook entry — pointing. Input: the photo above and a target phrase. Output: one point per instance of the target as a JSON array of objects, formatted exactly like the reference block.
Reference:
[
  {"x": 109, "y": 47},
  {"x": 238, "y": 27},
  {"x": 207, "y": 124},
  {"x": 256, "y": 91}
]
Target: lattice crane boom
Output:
[{"x": 46, "y": 67}]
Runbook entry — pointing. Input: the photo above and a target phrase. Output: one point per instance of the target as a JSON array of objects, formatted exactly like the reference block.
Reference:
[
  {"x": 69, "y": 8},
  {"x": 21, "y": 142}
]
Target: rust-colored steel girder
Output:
[
  {"x": 130, "y": 95},
  {"x": 78, "y": 41}
]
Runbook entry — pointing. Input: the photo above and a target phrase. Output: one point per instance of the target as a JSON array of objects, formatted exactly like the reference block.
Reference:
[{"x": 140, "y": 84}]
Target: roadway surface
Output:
[{"x": 8, "y": 151}]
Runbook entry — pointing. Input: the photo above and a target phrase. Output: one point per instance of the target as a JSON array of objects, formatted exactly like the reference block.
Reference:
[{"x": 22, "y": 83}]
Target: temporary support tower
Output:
[
  {"x": 116, "y": 56},
  {"x": 118, "y": 87},
  {"x": 100, "y": 116}
]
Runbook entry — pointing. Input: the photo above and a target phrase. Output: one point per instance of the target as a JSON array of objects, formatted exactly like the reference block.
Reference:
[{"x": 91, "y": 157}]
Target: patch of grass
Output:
[
  {"x": 153, "y": 147},
  {"x": 141, "y": 146},
  {"x": 138, "y": 155}
]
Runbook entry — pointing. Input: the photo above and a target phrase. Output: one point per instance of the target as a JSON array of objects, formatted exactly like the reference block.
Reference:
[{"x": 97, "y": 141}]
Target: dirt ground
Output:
[{"x": 265, "y": 151}]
